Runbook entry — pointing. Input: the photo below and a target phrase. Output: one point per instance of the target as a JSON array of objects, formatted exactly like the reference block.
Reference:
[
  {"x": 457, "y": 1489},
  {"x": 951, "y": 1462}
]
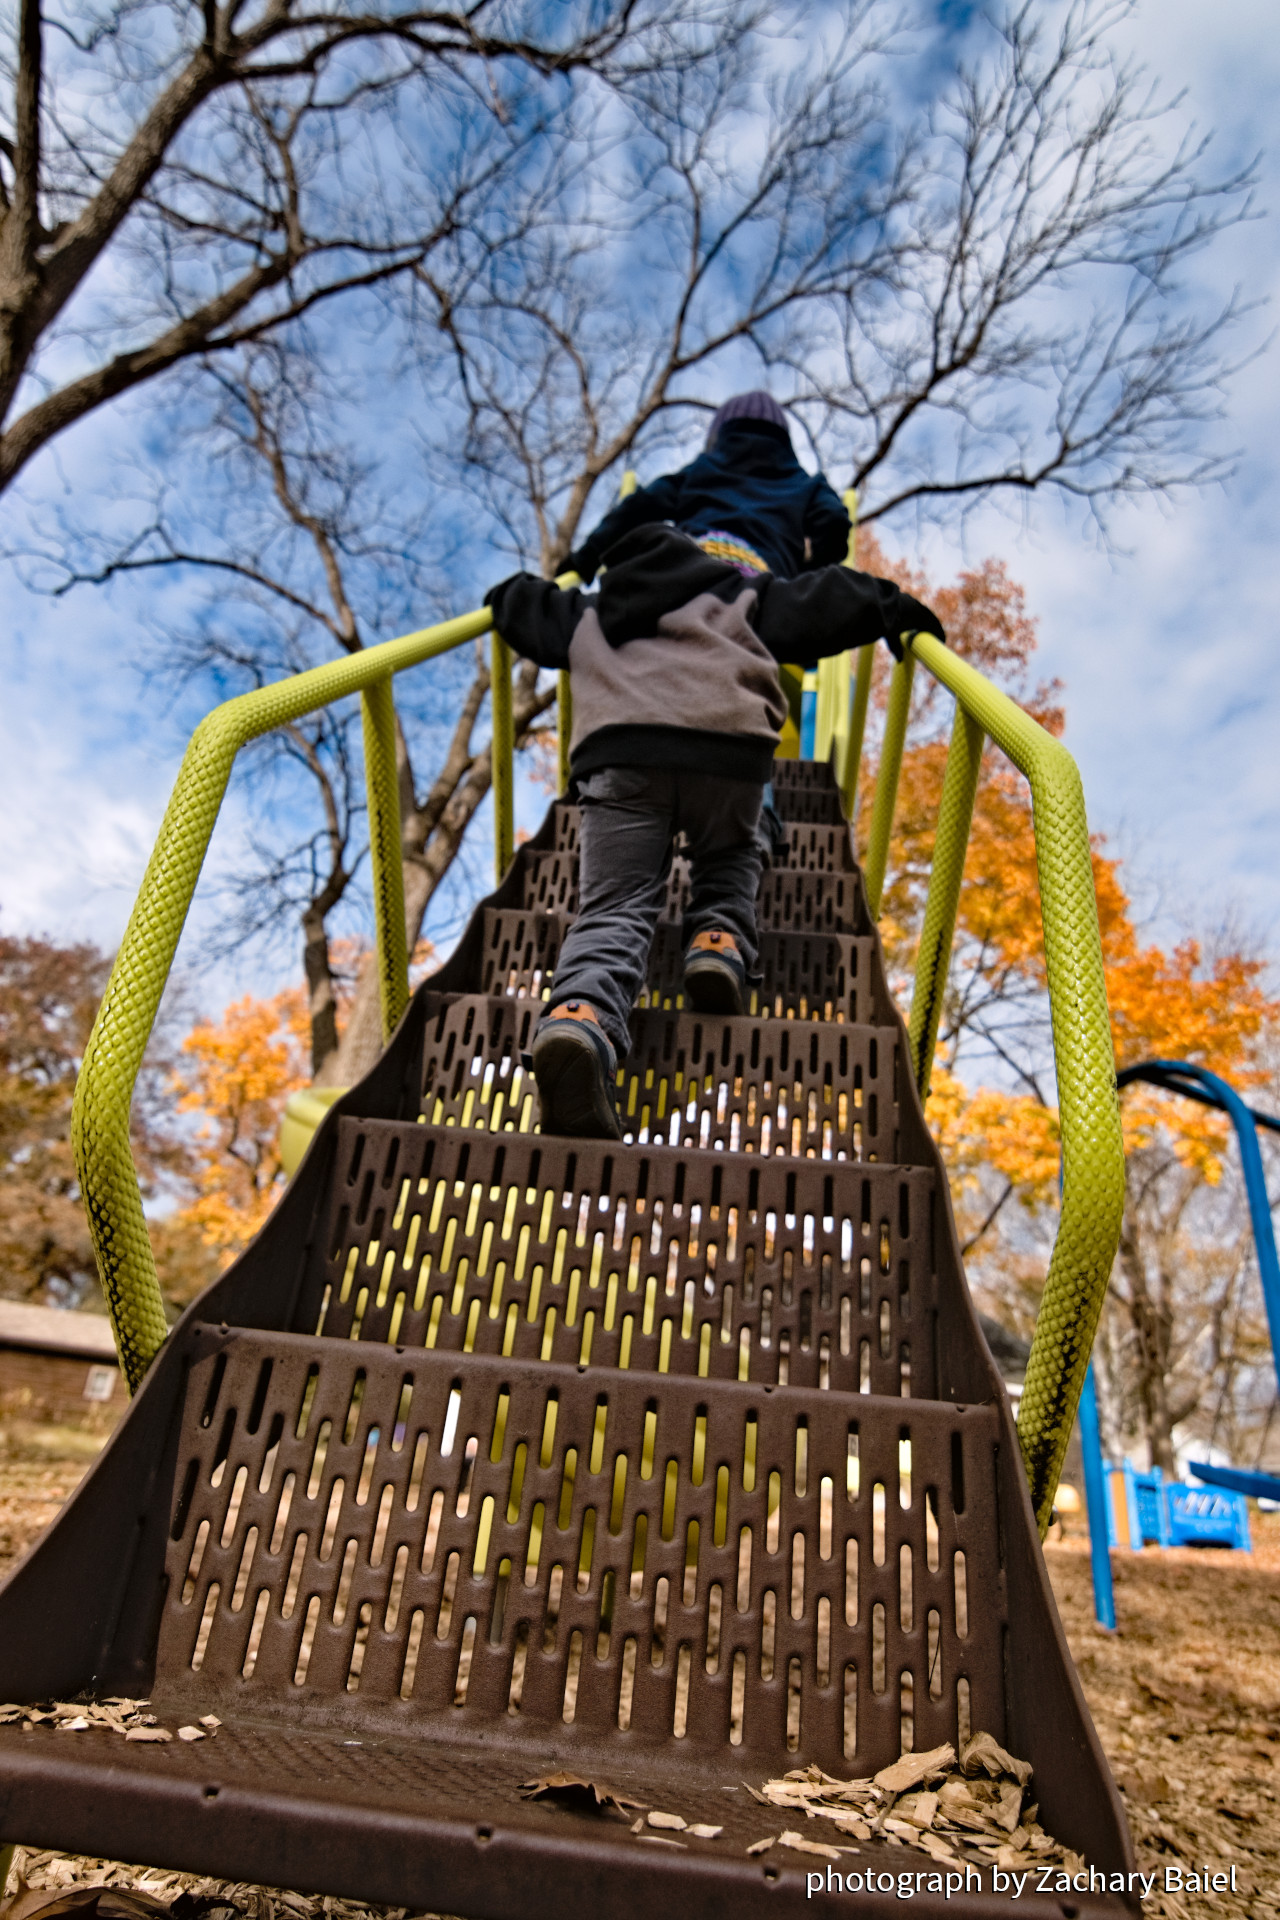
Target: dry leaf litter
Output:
[
  {"x": 975, "y": 1810},
  {"x": 49, "y": 1884},
  {"x": 127, "y": 1717}
]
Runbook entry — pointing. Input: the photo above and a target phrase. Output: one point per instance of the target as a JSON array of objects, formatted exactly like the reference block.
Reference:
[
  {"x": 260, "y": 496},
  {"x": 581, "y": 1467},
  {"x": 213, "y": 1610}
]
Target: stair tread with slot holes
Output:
[
  {"x": 741, "y": 1084},
  {"x": 790, "y": 898},
  {"x": 805, "y": 976},
  {"x": 817, "y": 1273},
  {"x": 756, "y": 1530},
  {"x": 810, "y": 845}
]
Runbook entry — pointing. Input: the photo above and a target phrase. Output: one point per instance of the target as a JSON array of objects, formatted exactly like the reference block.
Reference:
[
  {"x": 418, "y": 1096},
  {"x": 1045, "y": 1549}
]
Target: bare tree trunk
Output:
[
  {"x": 322, "y": 1003},
  {"x": 1153, "y": 1330}
]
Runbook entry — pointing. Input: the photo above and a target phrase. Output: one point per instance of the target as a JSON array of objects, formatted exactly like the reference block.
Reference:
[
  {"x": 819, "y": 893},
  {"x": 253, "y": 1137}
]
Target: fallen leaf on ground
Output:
[
  {"x": 703, "y": 1832},
  {"x": 985, "y": 1754},
  {"x": 578, "y": 1794},
  {"x": 192, "y": 1733},
  {"x": 913, "y": 1768},
  {"x": 955, "y": 1819},
  {"x": 108, "y": 1903},
  {"x": 798, "y": 1844},
  {"x": 763, "y": 1846},
  {"x": 672, "y": 1821}
]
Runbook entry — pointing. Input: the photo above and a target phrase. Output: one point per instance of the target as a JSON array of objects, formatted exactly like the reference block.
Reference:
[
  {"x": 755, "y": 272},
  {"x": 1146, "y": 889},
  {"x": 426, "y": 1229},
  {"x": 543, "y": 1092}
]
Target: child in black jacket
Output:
[
  {"x": 746, "y": 498},
  {"x": 677, "y": 707}
]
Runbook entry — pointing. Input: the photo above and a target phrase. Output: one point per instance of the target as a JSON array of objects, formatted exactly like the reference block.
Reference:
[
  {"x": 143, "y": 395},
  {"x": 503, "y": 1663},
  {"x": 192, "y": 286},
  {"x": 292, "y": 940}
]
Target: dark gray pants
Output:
[{"x": 630, "y": 816}]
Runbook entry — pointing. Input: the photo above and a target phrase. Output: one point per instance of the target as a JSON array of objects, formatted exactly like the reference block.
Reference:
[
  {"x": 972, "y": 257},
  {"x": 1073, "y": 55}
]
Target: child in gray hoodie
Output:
[{"x": 677, "y": 708}]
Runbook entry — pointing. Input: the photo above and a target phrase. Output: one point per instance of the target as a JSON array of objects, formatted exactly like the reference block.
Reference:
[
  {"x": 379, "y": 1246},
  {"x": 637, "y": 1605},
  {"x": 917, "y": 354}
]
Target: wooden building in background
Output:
[{"x": 57, "y": 1367}]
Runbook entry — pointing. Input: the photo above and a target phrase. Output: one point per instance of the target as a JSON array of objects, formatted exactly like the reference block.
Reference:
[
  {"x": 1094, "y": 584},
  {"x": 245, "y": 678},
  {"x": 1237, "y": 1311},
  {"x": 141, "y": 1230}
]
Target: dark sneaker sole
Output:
[
  {"x": 712, "y": 987},
  {"x": 573, "y": 1089}
]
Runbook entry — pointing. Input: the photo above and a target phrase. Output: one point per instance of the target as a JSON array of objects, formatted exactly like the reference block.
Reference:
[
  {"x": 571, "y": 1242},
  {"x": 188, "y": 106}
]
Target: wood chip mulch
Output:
[{"x": 1186, "y": 1700}]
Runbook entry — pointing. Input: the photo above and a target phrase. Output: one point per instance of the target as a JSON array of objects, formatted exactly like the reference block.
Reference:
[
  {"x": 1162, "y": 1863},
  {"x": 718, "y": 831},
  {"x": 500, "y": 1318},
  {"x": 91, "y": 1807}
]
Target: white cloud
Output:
[{"x": 1169, "y": 648}]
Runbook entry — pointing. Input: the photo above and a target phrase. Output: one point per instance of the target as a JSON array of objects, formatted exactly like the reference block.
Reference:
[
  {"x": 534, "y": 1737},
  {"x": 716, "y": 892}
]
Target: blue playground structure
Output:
[
  {"x": 1131, "y": 1508},
  {"x": 1145, "y": 1509}
]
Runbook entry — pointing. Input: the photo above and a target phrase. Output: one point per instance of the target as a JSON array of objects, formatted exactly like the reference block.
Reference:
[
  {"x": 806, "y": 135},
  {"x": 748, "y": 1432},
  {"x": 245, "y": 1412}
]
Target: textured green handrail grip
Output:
[
  {"x": 1093, "y": 1170},
  {"x": 955, "y": 817},
  {"x": 104, "y": 1090},
  {"x": 386, "y": 854},
  {"x": 504, "y": 819},
  {"x": 895, "y": 734},
  {"x": 848, "y": 771}
]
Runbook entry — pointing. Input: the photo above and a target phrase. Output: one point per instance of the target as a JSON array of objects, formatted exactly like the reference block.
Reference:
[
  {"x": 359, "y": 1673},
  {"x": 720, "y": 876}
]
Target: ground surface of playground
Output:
[{"x": 1186, "y": 1699}]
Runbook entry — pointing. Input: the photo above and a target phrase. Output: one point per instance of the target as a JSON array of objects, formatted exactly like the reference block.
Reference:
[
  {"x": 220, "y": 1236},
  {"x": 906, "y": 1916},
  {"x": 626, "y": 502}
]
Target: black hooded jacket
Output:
[
  {"x": 748, "y": 483},
  {"x": 674, "y": 662}
]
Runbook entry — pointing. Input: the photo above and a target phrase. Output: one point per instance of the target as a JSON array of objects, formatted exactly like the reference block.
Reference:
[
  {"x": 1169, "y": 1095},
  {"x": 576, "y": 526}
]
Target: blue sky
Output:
[{"x": 1167, "y": 646}]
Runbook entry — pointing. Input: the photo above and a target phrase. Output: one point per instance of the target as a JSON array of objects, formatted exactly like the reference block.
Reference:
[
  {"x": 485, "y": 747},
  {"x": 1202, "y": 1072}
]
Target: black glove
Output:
[
  {"x": 583, "y": 562},
  {"x": 491, "y": 597},
  {"x": 915, "y": 617}
]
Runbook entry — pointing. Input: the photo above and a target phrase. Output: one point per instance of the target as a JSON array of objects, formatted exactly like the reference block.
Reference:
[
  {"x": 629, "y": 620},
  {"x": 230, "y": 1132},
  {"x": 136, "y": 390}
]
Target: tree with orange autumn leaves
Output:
[
  {"x": 235, "y": 1077},
  {"x": 1183, "y": 1338}
]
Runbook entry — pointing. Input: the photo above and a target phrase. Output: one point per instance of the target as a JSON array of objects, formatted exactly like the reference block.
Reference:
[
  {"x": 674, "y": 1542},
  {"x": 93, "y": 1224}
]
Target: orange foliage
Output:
[
  {"x": 1014, "y": 1135},
  {"x": 1175, "y": 1004},
  {"x": 242, "y": 1071}
]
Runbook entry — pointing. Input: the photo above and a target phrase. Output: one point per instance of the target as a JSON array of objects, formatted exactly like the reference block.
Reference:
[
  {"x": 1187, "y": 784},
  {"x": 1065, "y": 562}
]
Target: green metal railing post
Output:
[
  {"x": 848, "y": 771},
  {"x": 503, "y": 749},
  {"x": 955, "y": 817},
  {"x": 382, "y": 786},
  {"x": 895, "y": 733},
  {"x": 1093, "y": 1169}
]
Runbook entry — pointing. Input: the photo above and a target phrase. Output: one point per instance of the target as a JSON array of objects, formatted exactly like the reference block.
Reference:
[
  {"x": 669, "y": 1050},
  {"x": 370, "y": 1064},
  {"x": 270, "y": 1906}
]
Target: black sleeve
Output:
[
  {"x": 536, "y": 618},
  {"x": 660, "y": 501},
  {"x": 827, "y": 525},
  {"x": 824, "y": 612}
]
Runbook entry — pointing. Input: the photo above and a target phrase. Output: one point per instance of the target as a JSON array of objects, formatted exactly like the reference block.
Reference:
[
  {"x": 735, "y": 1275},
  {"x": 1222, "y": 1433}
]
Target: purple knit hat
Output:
[{"x": 757, "y": 405}]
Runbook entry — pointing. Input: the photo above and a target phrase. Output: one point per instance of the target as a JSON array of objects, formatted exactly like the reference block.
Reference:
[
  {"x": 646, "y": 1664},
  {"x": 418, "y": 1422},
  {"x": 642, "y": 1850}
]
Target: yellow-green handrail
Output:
[
  {"x": 1093, "y": 1168},
  {"x": 104, "y": 1090}
]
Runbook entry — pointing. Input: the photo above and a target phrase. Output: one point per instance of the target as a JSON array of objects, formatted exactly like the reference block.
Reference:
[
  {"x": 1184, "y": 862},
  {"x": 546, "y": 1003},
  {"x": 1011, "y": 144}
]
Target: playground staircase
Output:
[{"x": 672, "y": 1464}]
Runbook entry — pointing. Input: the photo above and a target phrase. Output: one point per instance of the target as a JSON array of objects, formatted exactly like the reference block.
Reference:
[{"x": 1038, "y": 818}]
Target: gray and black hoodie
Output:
[{"x": 674, "y": 661}]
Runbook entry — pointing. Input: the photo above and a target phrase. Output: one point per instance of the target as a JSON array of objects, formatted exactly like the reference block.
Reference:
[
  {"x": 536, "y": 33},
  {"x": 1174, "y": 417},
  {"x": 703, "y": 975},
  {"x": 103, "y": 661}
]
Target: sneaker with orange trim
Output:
[
  {"x": 576, "y": 1070},
  {"x": 715, "y": 974}
]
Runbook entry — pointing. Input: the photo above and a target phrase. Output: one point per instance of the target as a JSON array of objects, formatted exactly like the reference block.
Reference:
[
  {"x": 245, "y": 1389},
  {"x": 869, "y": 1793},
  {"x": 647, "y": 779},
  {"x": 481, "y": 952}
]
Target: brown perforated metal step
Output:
[
  {"x": 790, "y": 899},
  {"x": 805, "y": 791},
  {"x": 820, "y": 847},
  {"x": 579, "y": 1559},
  {"x": 820, "y": 1276},
  {"x": 804, "y": 975},
  {"x": 740, "y": 1085}
]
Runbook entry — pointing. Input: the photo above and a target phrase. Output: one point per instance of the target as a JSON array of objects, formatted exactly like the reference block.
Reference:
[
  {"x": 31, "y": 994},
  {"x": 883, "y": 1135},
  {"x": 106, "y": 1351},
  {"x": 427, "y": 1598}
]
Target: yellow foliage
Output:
[{"x": 242, "y": 1071}]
